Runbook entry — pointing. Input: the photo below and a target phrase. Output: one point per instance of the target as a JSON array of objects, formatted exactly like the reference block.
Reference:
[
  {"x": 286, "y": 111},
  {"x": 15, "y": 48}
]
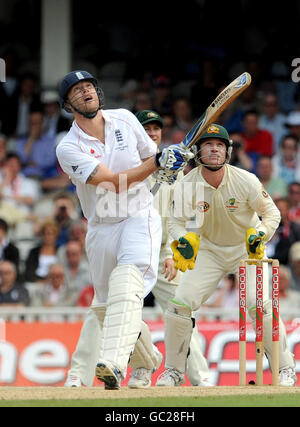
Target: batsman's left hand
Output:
[
  {"x": 185, "y": 251},
  {"x": 173, "y": 158},
  {"x": 255, "y": 243}
]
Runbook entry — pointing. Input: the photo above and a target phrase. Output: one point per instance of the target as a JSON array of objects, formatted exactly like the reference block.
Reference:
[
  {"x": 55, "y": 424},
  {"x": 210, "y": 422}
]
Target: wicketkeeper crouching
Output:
[{"x": 238, "y": 218}]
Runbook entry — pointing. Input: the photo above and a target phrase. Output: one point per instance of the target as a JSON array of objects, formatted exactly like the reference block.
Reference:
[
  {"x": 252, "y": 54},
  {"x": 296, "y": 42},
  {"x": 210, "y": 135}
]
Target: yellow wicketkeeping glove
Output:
[
  {"x": 255, "y": 243},
  {"x": 185, "y": 251}
]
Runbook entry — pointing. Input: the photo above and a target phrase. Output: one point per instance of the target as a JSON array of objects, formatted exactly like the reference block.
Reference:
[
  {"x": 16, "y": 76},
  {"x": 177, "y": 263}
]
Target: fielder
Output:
[
  {"x": 230, "y": 204},
  {"x": 109, "y": 156}
]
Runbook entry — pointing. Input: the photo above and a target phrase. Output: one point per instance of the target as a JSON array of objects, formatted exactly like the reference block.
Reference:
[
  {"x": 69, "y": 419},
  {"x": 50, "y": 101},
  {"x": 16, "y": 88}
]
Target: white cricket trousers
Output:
[{"x": 135, "y": 241}]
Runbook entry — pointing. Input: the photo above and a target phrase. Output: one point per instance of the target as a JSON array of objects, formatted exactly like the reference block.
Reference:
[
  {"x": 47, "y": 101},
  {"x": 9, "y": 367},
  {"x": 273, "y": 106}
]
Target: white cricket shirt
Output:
[{"x": 126, "y": 145}]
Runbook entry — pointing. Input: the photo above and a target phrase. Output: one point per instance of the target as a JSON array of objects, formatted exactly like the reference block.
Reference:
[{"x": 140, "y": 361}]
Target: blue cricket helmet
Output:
[{"x": 71, "y": 80}]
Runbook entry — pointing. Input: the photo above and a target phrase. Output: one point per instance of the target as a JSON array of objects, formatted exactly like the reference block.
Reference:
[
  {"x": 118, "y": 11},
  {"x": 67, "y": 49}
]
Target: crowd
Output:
[{"x": 42, "y": 229}]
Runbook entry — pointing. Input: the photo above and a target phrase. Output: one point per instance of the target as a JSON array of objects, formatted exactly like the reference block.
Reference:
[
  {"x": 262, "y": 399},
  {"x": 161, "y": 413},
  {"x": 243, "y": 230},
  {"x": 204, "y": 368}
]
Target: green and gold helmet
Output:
[{"x": 217, "y": 132}]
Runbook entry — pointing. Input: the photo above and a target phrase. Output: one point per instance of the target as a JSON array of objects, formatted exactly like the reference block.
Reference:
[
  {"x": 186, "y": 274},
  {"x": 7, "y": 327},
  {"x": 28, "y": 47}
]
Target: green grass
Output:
[{"x": 267, "y": 400}]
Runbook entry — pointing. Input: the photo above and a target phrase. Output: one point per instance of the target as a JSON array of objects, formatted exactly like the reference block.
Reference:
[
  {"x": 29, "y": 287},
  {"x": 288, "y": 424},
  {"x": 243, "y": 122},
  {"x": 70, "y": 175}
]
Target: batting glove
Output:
[{"x": 173, "y": 158}]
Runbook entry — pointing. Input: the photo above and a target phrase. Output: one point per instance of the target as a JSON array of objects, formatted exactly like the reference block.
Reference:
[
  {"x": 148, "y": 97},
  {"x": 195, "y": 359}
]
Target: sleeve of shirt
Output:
[
  {"x": 145, "y": 145},
  {"x": 74, "y": 162},
  {"x": 265, "y": 208}
]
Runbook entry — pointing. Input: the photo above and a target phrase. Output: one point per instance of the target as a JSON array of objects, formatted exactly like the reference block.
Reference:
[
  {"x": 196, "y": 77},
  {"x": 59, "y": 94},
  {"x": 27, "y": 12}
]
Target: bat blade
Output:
[{"x": 222, "y": 101}]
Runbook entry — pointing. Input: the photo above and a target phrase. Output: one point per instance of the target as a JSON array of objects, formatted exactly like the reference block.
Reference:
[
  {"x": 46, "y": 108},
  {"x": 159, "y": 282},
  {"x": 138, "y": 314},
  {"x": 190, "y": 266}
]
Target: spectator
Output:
[
  {"x": 167, "y": 131},
  {"x": 293, "y": 123},
  {"x": 178, "y": 136},
  {"x": 294, "y": 201},
  {"x": 41, "y": 257},
  {"x": 12, "y": 294},
  {"x": 54, "y": 292},
  {"x": 272, "y": 119},
  {"x": 258, "y": 142},
  {"x": 128, "y": 94},
  {"x": 37, "y": 151},
  {"x": 76, "y": 268},
  {"x": 294, "y": 261},
  {"x": 233, "y": 117},
  {"x": 18, "y": 106},
  {"x": 54, "y": 123},
  {"x": 162, "y": 100},
  {"x": 64, "y": 215},
  {"x": 3, "y": 149},
  {"x": 289, "y": 299},
  {"x": 59, "y": 182},
  {"x": 77, "y": 233},
  {"x": 183, "y": 114},
  {"x": 239, "y": 157},
  {"x": 276, "y": 187},
  {"x": 8, "y": 251},
  {"x": 286, "y": 162},
  {"x": 15, "y": 188},
  {"x": 143, "y": 101},
  {"x": 286, "y": 234}
]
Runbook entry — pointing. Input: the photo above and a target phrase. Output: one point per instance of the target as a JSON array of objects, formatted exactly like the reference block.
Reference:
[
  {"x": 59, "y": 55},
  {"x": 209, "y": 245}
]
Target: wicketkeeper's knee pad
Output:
[
  {"x": 122, "y": 322},
  {"x": 145, "y": 354},
  {"x": 286, "y": 358},
  {"x": 178, "y": 331}
]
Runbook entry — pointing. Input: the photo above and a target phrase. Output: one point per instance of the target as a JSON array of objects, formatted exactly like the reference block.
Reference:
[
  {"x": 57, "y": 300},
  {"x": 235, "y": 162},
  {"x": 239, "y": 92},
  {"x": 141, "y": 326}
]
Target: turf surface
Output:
[{"x": 267, "y": 400}]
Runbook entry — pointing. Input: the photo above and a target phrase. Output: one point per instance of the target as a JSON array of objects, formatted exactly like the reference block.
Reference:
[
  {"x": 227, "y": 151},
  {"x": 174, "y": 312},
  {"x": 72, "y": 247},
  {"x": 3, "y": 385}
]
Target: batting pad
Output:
[
  {"x": 145, "y": 355},
  {"x": 178, "y": 331},
  {"x": 122, "y": 322}
]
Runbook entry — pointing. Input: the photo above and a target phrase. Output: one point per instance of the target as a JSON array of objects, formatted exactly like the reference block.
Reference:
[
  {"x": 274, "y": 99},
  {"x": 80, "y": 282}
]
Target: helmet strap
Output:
[{"x": 92, "y": 114}]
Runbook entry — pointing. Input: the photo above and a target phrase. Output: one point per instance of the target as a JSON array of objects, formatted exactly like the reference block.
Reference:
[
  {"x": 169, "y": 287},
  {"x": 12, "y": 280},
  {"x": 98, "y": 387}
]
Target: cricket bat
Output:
[{"x": 225, "y": 98}]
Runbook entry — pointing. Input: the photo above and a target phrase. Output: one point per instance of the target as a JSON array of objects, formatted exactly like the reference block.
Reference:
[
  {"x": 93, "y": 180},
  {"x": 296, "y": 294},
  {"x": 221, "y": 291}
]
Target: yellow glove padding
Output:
[
  {"x": 185, "y": 251},
  {"x": 255, "y": 243}
]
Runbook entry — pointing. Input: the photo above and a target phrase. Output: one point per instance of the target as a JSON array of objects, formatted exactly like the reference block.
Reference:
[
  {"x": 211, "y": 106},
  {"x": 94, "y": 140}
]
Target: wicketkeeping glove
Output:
[
  {"x": 185, "y": 251},
  {"x": 255, "y": 243}
]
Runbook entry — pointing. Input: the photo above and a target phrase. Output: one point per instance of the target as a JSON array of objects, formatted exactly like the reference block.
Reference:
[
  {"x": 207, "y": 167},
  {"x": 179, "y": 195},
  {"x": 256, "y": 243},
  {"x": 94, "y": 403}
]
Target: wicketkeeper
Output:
[{"x": 236, "y": 218}]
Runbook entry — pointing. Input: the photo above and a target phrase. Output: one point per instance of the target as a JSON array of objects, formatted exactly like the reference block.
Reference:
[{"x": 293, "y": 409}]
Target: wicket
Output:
[{"x": 259, "y": 343}]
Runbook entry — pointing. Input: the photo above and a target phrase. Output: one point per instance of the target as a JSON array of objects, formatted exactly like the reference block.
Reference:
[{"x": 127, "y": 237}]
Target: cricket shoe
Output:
[
  {"x": 170, "y": 378},
  {"x": 141, "y": 377},
  {"x": 110, "y": 375},
  {"x": 203, "y": 383},
  {"x": 287, "y": 377},
  {"x": 73, "y": 381}
]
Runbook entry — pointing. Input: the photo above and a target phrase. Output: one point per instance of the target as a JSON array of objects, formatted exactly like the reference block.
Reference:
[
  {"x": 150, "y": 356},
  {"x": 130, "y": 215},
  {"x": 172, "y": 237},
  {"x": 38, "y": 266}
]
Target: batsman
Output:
[{"x": 235, "y": 219}]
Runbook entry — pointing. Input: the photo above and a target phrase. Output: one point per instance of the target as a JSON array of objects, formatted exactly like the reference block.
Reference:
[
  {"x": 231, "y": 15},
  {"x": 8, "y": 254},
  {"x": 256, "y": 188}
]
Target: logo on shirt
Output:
[
  {"x": 75, "y": 168},
  {"x": 203, "y": 207},
  {"x": 232, "y": 204},
  {"x": 92, "y": 151},
  {"x": 119, "y": 136},
  {"x": 264, "y": 193},
  {"x": 121, "y": 143}
]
